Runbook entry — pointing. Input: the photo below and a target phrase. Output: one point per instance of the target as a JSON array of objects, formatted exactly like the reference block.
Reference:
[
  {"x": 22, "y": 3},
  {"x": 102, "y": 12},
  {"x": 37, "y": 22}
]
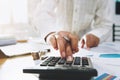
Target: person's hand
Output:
[
  {"x": 65, "y": 48},
  {"x": 89, "y": 41}
]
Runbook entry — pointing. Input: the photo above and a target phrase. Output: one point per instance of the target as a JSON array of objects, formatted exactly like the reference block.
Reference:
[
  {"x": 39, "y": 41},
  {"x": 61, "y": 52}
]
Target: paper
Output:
[
  {"x": 107, "y": 47},
  {"x": 104, "y": 64},
  {"x": 107, "y": 65}
]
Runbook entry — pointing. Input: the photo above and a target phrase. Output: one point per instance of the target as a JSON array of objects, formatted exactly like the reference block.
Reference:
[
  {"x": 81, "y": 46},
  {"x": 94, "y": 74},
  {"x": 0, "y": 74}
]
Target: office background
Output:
[{"x": 22, "y": 18}]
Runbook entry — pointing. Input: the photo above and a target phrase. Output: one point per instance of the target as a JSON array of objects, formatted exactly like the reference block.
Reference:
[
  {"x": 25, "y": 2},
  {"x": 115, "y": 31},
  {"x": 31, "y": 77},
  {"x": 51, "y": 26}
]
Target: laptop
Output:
[{"x": 57, "y": 68}]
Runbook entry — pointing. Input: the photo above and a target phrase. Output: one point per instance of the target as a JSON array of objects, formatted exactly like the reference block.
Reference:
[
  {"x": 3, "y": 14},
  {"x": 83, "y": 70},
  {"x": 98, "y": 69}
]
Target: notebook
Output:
[{"x": 57, "y": 68}]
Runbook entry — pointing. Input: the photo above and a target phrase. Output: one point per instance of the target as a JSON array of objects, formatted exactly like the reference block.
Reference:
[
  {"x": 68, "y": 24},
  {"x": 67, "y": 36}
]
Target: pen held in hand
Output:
[{"x": 67, "y": 39}]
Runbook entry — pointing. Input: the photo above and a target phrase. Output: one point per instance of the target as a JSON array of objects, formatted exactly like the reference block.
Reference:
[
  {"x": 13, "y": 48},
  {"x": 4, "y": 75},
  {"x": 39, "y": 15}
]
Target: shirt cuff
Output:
[{"x": 47, "y": 36}]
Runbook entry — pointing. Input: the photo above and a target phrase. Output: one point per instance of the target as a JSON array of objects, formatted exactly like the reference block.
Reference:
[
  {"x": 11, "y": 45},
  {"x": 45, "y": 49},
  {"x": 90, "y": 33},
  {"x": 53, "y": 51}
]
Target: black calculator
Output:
[{"x": 57, "y": 68}]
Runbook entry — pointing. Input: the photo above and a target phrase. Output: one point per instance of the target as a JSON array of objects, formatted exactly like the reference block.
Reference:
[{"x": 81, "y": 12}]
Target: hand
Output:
[
  {"x": 90, "y": 40},
  {"x": 66, "y": 48}
]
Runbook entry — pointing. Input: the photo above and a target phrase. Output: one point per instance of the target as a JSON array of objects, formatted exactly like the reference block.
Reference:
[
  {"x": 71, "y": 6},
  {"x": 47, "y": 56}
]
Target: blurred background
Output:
[{"x": 25, "y": 19}]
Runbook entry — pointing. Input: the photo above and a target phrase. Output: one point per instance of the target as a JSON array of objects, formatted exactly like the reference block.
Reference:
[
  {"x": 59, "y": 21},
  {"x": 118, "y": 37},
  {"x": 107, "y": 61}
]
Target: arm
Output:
[{"x": 103, "y": 20}]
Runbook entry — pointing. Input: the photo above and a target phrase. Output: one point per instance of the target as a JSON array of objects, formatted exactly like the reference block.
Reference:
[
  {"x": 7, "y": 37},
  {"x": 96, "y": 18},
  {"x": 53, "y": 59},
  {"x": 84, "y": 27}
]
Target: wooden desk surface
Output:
[{"x": 12, "y": 68}]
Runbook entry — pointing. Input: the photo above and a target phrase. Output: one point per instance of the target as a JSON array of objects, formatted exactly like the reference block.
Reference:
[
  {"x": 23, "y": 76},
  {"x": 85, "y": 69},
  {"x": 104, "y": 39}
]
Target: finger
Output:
[
  {"x": 53, "y": 42},
  {"x": 82, "y": 43},
  {"x": 61, "y": 46},
  {"x": 69, "y": 52},
  {"x": 74, "y": 42},
  {"x": 88, "y": 44}
]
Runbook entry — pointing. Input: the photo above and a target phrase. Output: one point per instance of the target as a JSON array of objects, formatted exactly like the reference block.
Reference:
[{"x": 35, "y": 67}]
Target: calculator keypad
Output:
[{"x": 53, "y": 61}]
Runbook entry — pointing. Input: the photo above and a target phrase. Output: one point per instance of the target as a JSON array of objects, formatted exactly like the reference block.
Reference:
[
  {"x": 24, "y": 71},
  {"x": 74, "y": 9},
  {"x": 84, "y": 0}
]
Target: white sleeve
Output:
[
  {"x": 44, "y": 17},
  {"x": 102, "y": 26}
]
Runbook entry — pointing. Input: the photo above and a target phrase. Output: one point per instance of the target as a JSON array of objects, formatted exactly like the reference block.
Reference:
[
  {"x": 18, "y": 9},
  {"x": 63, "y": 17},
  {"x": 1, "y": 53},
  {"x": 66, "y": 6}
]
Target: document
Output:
[{"x": 107, "y": 47}]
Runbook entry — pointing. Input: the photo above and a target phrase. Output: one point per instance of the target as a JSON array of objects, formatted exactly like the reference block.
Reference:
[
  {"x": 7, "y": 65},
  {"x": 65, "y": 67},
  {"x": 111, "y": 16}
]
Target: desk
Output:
[{"x": 11, "y": 68}]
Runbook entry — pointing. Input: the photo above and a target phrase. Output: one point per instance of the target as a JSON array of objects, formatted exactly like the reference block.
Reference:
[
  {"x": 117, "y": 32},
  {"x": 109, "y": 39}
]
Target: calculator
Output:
[{"x": 57, "y": 68}]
